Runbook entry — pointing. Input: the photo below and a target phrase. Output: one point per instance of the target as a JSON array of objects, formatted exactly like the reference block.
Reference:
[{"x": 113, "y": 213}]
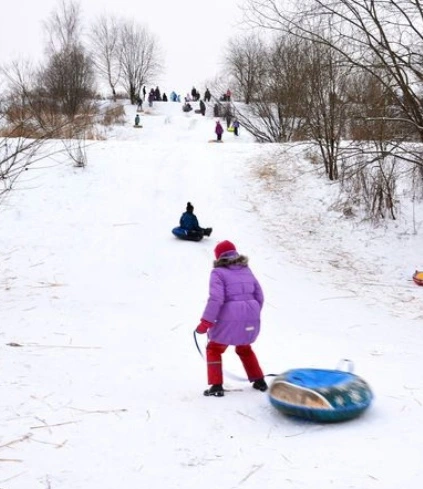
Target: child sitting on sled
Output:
[{"x": 189, "y": 222}]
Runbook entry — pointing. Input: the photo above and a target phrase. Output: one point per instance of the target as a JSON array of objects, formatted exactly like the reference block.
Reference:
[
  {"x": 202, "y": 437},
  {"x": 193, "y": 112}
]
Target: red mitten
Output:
[{"x": 203, "y": 326}]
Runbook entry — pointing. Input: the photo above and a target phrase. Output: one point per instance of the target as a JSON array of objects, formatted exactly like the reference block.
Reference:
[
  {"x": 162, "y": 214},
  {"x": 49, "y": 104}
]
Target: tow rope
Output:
[{"x": 228, "y": 374}]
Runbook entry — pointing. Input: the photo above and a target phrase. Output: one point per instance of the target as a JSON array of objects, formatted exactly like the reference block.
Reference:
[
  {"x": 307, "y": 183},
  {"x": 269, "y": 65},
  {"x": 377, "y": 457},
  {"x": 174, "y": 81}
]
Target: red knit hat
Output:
[{"x": 223, "y": 247}]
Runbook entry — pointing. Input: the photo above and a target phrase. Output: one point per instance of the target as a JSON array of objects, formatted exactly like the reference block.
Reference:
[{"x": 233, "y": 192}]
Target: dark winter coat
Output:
[
  {"x": 202, "y": 107},
  {"x": 235, "y": 302},
  {"x": 189, "y": 221}
]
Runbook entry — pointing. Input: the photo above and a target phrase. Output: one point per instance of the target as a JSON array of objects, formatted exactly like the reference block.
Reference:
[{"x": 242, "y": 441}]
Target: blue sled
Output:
[
  {"x": 187, "y": 235},
  {"x": 320, "y": 395}
]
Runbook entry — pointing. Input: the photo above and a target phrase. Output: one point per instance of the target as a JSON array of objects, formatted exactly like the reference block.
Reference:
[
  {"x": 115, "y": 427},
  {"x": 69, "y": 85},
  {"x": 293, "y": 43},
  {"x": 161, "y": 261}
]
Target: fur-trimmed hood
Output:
[{"x": 234, "y": 259}]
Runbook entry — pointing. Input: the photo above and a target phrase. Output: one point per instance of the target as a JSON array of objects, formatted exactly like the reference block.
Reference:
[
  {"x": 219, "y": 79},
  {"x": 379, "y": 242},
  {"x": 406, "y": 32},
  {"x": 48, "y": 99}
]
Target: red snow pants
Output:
[{"x": 248, "y": 358}]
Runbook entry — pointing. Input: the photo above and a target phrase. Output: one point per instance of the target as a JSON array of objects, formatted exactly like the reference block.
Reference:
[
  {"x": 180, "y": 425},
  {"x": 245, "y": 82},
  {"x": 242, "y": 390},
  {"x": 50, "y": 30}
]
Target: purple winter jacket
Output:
[
  {"x": 219, "y": 129},
  {"x": 234, "y": 305}
]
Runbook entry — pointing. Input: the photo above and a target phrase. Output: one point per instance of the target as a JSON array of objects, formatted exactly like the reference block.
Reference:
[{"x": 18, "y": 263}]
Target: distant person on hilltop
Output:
[
  {"x": 207, "y": 95},
  {"x": 228, "y": 115},
  {"x": 202, "y": 108},
  {"x": 195, "y": 94},
  {"x": 157, "y": 94},
  {"x": 151, "y": 98},
  {"x": 139, "y": 103},
  {"x": 219, "y": 130}
]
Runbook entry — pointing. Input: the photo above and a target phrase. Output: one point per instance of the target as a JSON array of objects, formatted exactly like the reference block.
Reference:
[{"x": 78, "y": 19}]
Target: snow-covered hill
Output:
[{"x": 101, "y": 383}]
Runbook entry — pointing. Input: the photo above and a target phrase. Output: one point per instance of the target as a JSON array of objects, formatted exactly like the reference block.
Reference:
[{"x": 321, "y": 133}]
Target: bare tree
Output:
[
  {"x": 105, "y": 52},
  {"x": 68, "y": 79},
  {"x": 51, "y": 102},
  {"x": 367, "y": 34},
  {"x": 276, "y": 111},
  {"x": 26, "y": 124},
  {"x": 374, "y": 111},
  {"x": 287, "y": 69},
  {"x": 68, "y": 76},
  {"x": 326, "y": 103},
  {"x": 16, "y": 155},
  {"x": 245, "y": 63},
  {"x": 63, "y": 26},
  {"x": 140, "y": 57}
]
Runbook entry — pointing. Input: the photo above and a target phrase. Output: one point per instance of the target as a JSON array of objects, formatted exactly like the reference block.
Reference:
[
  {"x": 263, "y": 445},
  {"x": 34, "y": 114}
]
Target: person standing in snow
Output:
[
  {"x": 202, "y": 108},
  {"x": 231, "y": 317},
  {"x": 207, "y": 95},
  {"x": 235, "y": 125},
  {"x": 139, "y": 103},
  {"x": 189, "y": 222},
  {"x": 219, "y": 130},
  {"x": 195, "y": 94},
  {"x": 228, "y": 115},
  {"x": 151, "y": 98},
  {"x": 137, "y": 120}
]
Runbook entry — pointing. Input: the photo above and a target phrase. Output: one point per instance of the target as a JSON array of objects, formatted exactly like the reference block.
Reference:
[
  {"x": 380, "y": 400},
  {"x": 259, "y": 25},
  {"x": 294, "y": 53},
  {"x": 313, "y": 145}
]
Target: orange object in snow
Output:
[{"x": 418, "y": 277}]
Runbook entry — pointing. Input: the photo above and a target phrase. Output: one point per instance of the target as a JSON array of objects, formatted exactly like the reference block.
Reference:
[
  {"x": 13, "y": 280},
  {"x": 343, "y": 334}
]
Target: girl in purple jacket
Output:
[
  {"x": 231, "y": 317},
  {"x": 218, "y": 130}
]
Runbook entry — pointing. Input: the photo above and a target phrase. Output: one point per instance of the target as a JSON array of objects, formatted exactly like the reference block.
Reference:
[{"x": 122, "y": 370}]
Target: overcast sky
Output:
[{"x": 192, "y": 34}]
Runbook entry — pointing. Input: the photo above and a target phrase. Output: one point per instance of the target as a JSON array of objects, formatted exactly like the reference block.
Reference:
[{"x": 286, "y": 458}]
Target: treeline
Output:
[
  {"x": 120, "y": 52},
  {"x": 58, "y": 97},
  {"x": 345, "y": 75}
]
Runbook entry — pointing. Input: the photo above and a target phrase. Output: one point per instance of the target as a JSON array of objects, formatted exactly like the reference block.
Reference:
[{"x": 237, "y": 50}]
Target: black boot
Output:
[
  {"x": 208, "y": 231},
  {"x": 260, "y": 385},
  {"x": 215, "y": 390}
]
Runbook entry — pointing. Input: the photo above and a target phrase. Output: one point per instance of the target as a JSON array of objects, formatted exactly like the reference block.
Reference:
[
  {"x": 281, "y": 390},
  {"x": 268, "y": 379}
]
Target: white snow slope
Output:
[{"x": 105, "y": 388}]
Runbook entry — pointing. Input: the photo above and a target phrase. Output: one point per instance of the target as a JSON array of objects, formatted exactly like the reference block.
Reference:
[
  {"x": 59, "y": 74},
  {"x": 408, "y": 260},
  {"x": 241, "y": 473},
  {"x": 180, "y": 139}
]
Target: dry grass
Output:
[
  {"x": 113, "y": 115},
  {"x": 42, "y": 120},
  {"x": 300, "y": 134},
  {"x": 313, "y": 157},
  {"x": 48, "y": 124},
  {"x": 267, "y": 171}
]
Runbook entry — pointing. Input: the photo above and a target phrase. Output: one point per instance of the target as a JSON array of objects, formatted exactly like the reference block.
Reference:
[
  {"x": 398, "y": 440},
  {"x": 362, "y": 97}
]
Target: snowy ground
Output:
[{"x": 105, "y": 387}]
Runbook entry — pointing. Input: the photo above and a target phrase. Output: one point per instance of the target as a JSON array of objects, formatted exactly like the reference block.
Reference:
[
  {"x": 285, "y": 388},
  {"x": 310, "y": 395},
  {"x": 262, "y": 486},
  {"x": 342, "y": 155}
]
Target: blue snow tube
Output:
[
  {"x": 182, "y": 233},
  {"x": 320, "y": 395}
]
